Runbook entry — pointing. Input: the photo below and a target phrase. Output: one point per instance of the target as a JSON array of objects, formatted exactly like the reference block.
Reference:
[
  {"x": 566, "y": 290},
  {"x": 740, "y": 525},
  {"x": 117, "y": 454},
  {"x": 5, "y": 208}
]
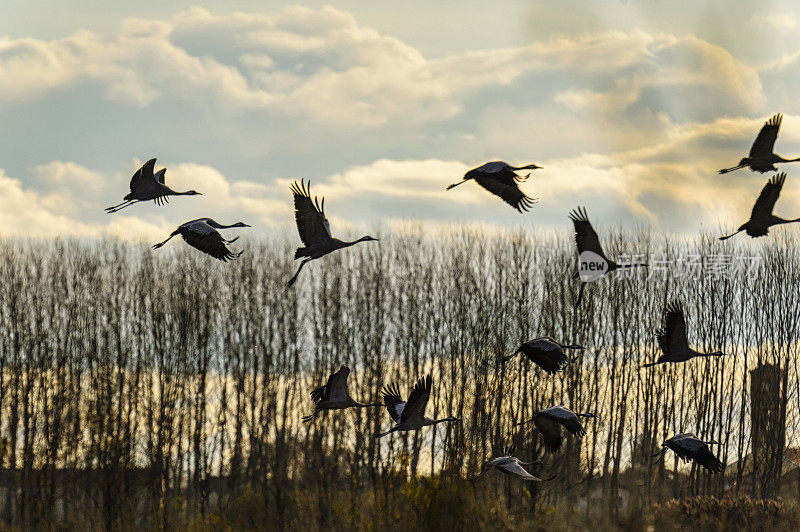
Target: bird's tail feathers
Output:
[{"x": 300, "y": 252}]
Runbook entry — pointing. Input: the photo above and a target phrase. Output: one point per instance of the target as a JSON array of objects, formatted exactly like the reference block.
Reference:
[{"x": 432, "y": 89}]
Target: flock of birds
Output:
[{"x": 502, "y": 180}]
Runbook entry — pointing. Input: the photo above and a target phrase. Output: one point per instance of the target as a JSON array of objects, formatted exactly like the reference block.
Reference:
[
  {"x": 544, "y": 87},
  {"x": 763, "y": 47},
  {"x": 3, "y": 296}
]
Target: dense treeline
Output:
[{"x": 164, "y": 389}]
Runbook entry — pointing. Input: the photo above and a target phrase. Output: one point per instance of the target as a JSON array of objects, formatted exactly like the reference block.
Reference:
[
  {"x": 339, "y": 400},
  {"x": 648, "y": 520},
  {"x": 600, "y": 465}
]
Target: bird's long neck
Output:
[
  {"x": 186, "y": 193},
  {"x": 343, "y": 244},
  {"x": 714, "y": 354},
  {"x": 526, "y": 167},
  {"x": 777, "y": 220},
  {"x": 779, "y": 159}
]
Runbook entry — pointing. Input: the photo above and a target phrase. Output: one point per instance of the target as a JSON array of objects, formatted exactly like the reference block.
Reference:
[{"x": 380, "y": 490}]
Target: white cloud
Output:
[
  {"x": 67, "y": 198},
  {"x": 618, "y": 119},
  {"x": 24, "y": 212},
  {"x": 323, "y": 65}
]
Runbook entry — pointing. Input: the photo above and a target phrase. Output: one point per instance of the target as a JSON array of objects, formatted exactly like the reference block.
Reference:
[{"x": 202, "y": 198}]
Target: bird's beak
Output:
[{"x": 246, "y": 225}]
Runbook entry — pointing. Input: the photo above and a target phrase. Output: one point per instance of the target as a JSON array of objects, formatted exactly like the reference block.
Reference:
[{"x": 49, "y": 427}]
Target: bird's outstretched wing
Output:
[
  {"x": 312, "y": 224},
  {"x": 543, "y": 344},
  {"x": 202, "y": 236},
  {"x": 585, "y": 235},
  {"x": 317, "y": 394},
  {"x": 512, "y": 467},
  {"x": 765, "y": 141},
  {"x": 337, "y": 384},
  {"x": 566, "y": 418},
  {"x": 418, "y": 399},
  {"x": 159, "y": 176},
  {"x": 503, "y": 184},
  {"x": 706, "y": 459},
  {"x": 672, "y": 336},
  {"x": 550, "y": 431},
  {"x": 143, "y": 175},
  {"x": 492, "y": 167},
  {"x": 769, "y": 195},
  {"x": 394, "y": 403}
]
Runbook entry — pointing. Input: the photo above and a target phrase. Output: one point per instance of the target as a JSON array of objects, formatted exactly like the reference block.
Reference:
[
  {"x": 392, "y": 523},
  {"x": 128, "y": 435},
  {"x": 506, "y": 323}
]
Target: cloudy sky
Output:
[{"x": 630, "y": 107}]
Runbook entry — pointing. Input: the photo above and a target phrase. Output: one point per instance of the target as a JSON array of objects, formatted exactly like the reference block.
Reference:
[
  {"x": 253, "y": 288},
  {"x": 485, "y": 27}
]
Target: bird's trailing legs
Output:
[
  {"x": 294, "y": 278},
  {"x": 308, "y": 419},
  {"x": 732, "y": 168},
  {"x": 382, "y": 434},
  {"x": 660, "y": 454},
  {"x": 121, "y": 206},
  {"x": 479, "y": 475},
  {"x": 456, "y": 184},
  {"x": 509, "y": 357},
  {"x": 156, "y": 246},
  {"x": 730, "y": 235}
]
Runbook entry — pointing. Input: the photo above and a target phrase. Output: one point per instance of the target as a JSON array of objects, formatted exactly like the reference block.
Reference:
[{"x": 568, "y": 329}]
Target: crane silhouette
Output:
[
  {"x": 410, "y": 415},
  {"x": 761, "y": 219},
  {"x": 761, "y": 158},
  {"x": 145, "y": 186},
  {"x": 673, "y": 341},
  {"x": 509, "y": 465},
  {"x": 550, "y": 420},
  {"x": 202, "y": 234},
  {"x": 689, "y": 447},
  {"x": 314, "y": 229},
  {"x": 500, "y": 179},
  {"x": 588, "y": 242},
  {"x": 546, "y": 353},
  {"x": 334, "y": 395}
]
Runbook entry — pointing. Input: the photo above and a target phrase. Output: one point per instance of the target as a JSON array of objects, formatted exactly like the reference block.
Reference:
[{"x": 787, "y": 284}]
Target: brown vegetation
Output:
[{"x": 141, "y": 390}]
